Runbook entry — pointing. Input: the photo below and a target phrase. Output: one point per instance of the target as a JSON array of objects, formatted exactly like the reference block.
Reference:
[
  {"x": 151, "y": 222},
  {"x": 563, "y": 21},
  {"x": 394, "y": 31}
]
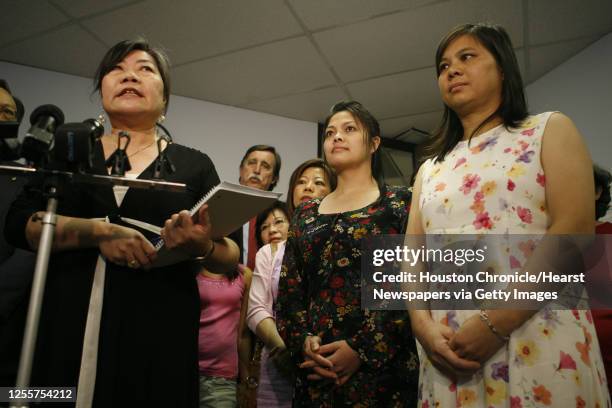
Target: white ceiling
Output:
[{"x": 296, "y": 58}]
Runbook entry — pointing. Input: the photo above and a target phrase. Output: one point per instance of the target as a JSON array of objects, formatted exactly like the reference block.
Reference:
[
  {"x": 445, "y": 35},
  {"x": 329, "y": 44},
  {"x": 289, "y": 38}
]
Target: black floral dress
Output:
[{"x": 320, "y": 293}]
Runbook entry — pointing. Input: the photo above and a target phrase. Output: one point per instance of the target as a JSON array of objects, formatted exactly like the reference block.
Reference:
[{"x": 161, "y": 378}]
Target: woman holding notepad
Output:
[{"x": 146, "y": 351}]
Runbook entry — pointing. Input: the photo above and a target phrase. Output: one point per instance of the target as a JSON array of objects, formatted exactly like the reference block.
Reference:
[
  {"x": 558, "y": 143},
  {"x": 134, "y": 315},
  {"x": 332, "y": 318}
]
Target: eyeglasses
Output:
[
  {"x": 7, "y": 113},
  {"x": 277, "y": 222}
]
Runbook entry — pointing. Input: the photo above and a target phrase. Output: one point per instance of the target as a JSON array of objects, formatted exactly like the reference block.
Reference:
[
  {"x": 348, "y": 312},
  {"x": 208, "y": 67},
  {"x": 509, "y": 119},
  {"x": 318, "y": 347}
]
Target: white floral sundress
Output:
[{"x": 496, "y": 184}]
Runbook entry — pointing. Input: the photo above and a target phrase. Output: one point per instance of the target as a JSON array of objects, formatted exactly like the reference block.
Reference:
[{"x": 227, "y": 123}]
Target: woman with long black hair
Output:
[
  {"x": 347, "y": 355},
  {"x": 494, "y": 169}
]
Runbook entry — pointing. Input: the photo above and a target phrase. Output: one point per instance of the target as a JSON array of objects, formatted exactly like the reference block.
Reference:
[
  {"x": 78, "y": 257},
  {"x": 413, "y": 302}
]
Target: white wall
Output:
[
  {"x": 222, "y": 132},
  {"x": 581, "y": 88}
]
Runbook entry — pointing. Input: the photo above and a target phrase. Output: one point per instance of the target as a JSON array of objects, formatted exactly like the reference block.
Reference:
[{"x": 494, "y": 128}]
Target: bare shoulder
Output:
[
  {"x": 561, "y": 137},
  {"x": 561, "y": 126}
]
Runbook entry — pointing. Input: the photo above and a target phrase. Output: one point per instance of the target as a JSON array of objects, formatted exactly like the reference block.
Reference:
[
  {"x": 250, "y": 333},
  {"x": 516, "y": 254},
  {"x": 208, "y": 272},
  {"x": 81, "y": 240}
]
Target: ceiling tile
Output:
[
  {"x": 318, "y": 14},
  {"x": 408, "y": 40},
  {"x": 70, "y": 50},
  {"x": 399, "y": 95},
  {"x": 193, "y": 29},
  {"x": 380, "y": 49},
  {"x": 556, "y": 20},
  {"x": 23, "y": 18},
  {"x": 545, "y": 58},
  {"x": 312, "y": 106},
  {"x": 273, "y": 70},
  {"x": 81, "y": 8},
  {"x": 427, "y": 122}
]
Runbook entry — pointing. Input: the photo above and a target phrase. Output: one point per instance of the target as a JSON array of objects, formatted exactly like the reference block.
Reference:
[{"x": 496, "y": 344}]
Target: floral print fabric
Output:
[
  {"x": 496, "y": 184},
  {"x": 320, "y": 293}
]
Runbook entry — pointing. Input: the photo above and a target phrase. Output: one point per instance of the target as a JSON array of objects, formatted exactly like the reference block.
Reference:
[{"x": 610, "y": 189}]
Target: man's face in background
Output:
[{"x": 257, "y": 170}]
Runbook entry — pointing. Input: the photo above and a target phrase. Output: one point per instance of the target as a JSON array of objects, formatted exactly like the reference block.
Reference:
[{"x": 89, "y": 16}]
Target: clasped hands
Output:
[
  {"x": 335, "y": 361},
  {"x": 459, "y": 353},
  {"x": 127, "y": 246}
]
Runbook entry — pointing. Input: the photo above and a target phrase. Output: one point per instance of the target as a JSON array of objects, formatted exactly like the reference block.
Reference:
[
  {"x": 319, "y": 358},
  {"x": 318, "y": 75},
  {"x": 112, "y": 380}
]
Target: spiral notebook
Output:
[{"x": 229, "y": 206}]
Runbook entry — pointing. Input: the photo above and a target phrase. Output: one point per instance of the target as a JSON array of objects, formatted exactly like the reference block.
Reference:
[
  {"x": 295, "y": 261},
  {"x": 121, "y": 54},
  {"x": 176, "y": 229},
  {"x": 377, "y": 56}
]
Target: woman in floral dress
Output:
[
  {"x": 495, "y": 169},
  {"x": 348, "y": 356}
]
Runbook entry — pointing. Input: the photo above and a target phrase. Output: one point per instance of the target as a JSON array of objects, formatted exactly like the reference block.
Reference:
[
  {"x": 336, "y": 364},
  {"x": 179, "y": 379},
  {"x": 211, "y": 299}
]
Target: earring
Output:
[
  {"x": 161, "y": 118},
  {"x": 102, "y": 118}
]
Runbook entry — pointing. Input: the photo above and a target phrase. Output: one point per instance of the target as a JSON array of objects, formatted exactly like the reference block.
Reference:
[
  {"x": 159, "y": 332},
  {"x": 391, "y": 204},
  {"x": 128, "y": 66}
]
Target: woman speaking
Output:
[{"x": 148, "y": 329}]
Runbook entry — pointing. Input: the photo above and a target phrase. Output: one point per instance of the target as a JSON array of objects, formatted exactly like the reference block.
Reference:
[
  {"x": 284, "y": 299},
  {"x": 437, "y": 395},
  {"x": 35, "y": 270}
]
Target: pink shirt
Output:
[
  {"x": 220, "y": 302},
  {"x": 264, "y": 285}
]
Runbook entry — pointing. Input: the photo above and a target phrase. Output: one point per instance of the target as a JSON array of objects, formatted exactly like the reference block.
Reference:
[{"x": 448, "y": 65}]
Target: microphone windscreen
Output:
[{"x": 47, "y": 110}]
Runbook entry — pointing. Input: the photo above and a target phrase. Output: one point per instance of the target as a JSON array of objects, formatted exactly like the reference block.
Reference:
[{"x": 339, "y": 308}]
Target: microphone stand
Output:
[{"x": 49, "y": 221}]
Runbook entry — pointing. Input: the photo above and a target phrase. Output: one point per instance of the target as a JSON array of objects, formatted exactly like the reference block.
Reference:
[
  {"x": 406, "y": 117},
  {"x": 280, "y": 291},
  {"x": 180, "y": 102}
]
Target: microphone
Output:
[
  {"x": 9, "y": 129},
  {"x": 74, "y": 142},
  {"x": 39, "y": 139},
  {"x": 163, "y": 164},
  {"x": 119, "y": 161},
  {"x": 10, "y": 149},
  {"x": 96, "y": 128}
]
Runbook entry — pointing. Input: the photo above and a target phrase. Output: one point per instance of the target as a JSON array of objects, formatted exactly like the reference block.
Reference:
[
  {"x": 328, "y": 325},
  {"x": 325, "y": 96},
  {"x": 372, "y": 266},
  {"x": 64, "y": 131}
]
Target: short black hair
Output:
[
  {"x": 119, "y": 51},
  {"x": 261, "y": 218},
  {"x": 329, "y": 172},
  {"x": 277, "y": 160},
  {"x": 602, "y": 181},
  {"x": 18, "y": 104},
  {"x": 371, "y": 129}
]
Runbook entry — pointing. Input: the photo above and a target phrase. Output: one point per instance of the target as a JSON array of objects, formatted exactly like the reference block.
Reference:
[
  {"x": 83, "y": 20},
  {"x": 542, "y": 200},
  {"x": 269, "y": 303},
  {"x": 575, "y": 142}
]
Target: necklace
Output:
[{"x": 143, "y": 148}]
